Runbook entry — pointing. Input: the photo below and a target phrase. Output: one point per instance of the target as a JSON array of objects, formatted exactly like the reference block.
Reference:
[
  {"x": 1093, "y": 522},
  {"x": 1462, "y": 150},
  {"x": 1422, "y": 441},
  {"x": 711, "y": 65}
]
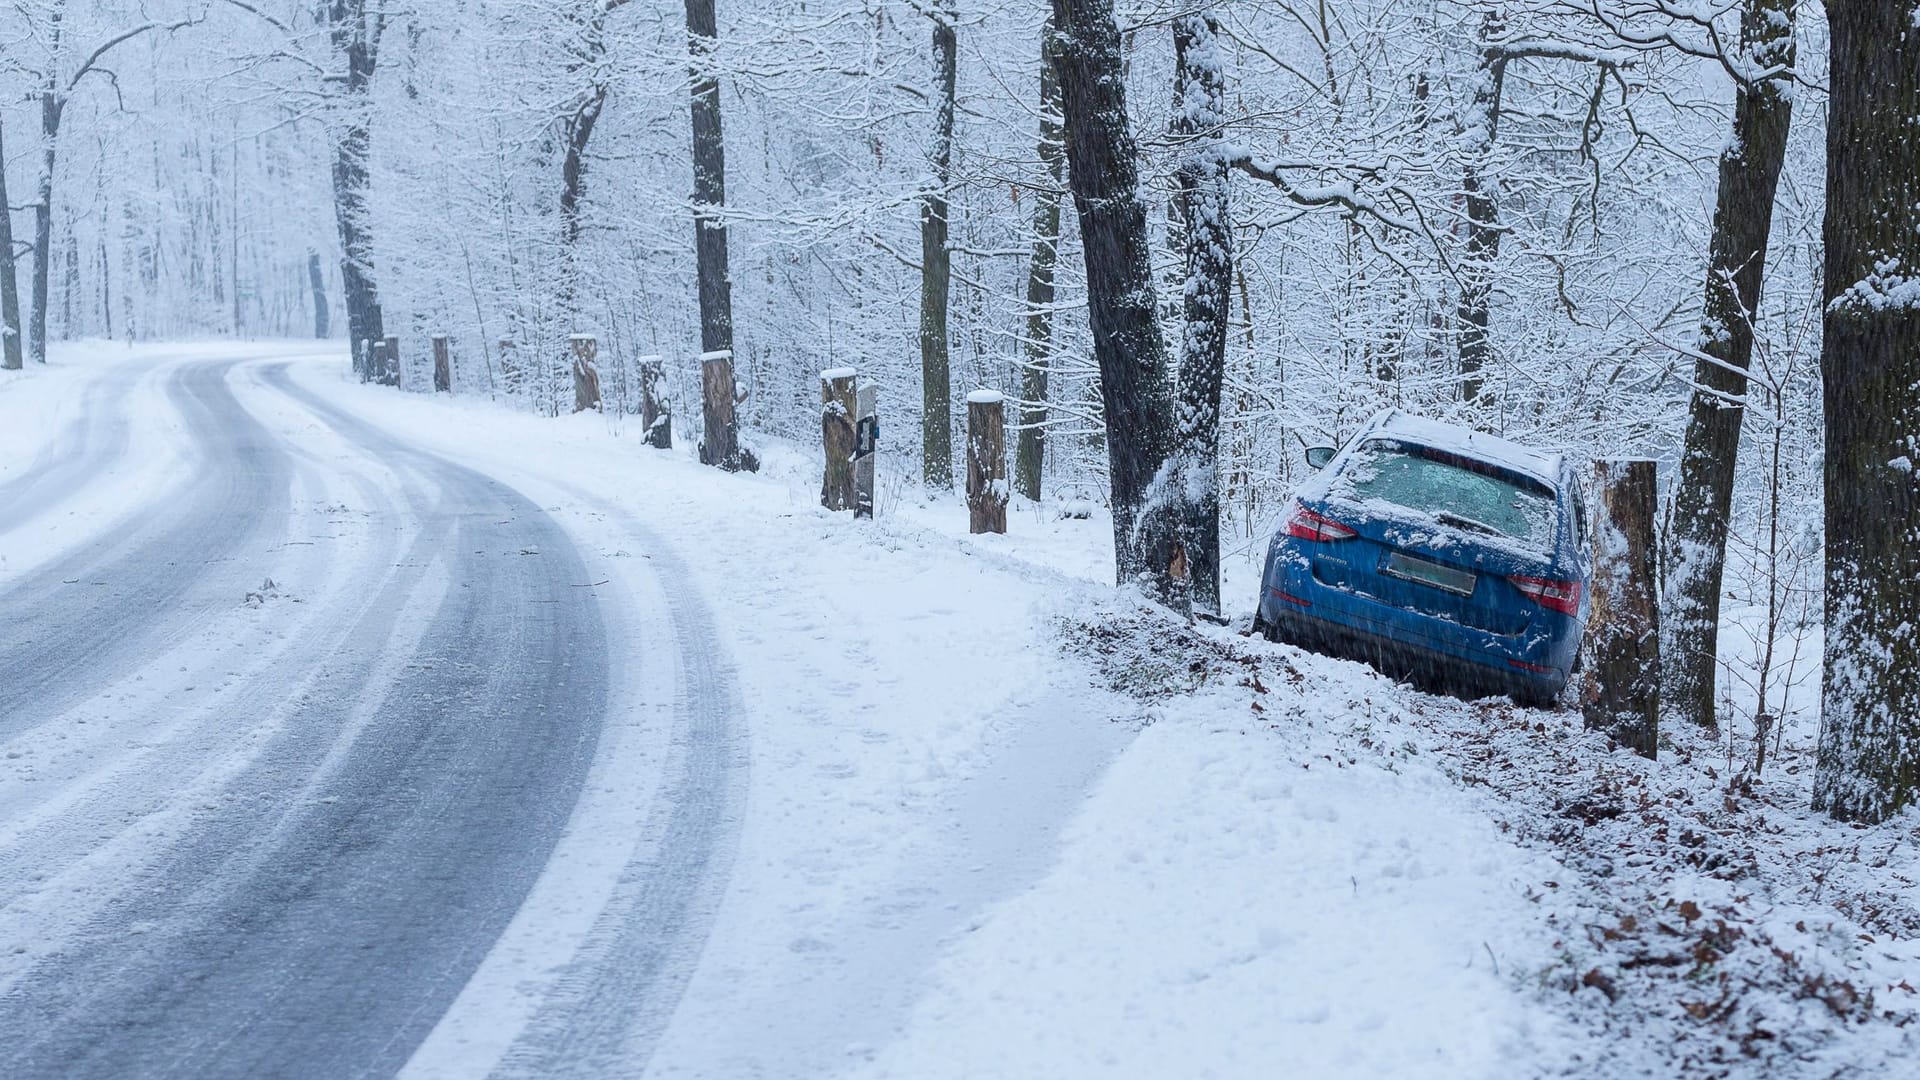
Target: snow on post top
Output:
[
  {"x": 717, "y": 354},
  {"x": 833, "y": 373},
  {"x": 1444, "y": 436},
  {"x": 648, "y": 358},
  {"x": 578, "y": 337},
  {"x": 985, "y": 397}
]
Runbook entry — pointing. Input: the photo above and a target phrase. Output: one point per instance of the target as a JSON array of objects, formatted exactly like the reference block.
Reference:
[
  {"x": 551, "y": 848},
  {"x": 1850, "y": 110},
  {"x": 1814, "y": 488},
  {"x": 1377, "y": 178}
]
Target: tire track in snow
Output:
[
  {"x": 606, "y": 1012},
  {"x": 75, "y": 623},
  {"x": 324, "y": 933}
]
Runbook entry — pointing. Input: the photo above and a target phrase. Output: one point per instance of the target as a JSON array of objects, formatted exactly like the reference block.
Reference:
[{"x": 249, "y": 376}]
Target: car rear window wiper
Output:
[{"x": 1468, "y": 523}]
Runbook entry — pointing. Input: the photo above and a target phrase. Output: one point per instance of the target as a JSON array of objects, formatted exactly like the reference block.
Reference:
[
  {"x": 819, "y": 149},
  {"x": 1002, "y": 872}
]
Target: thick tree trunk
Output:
[
  {"x": 10, "y": 328},
  {"x": 1207, "y": 211},
  {"x": 1473, "y": 312},
  {"x": 1623, "y": 635},
  {"x": 936, "y": 391},
  {"x": 721, "y": 443},
  {"x": 986, "y": 462},
  {"x": 1029, "y": 458},
  {"x": 355, "y": 38},
  {"x": 1696, "y": 548},
  {"x": 1869, "y": 757},
  {"x": 1121, "y": 308},
  {"x": 317, "y": 282}
]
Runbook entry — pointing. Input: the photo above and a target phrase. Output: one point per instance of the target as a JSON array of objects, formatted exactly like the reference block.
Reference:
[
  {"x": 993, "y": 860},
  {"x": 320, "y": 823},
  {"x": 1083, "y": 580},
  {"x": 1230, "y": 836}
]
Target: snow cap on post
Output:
[{"x": 985, "y": 397}]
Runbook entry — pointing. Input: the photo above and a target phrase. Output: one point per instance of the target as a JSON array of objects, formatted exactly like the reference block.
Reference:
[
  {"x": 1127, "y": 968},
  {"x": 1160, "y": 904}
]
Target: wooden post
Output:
[
  {"x": 866, "y": 441},
  {"x": 721, "y": 443},
  {"x": 363, "y": 359},
  {"x": 377, "y": 362},
  {"x": 442, "y": 365},
  {"x": 986, "y": 462},
  {"x": 656, "y": 418},
  {"x": 390, "y": 374},
  {"x": 1622, "y": 694},
  {"x": 837, "y": 433},
  {"x": 586, "y": 378}
]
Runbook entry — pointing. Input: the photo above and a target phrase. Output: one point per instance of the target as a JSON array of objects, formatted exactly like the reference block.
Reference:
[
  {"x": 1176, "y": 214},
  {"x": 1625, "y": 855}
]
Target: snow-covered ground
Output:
[{"x": 977, "y": 814}]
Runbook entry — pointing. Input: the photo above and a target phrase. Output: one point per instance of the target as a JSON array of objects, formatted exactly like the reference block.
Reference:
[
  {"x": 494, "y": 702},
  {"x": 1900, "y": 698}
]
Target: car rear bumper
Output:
[{"x": 1422, "y": 665}]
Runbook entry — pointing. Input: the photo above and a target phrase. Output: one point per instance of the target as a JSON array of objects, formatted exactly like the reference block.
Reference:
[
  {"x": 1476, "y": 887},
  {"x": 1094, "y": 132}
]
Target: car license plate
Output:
[{"x": 1409, "y": 568}]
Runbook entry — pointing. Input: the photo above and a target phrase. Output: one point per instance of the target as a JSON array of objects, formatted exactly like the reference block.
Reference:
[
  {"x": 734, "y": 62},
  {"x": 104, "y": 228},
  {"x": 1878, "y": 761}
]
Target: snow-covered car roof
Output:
[{"x": 1439, "y": 435}]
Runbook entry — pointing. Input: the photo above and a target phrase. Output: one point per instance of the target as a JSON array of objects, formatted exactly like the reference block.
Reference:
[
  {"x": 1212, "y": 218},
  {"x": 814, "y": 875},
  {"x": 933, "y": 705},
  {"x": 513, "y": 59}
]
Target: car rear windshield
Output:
[{"x": 1457, "y": 491}]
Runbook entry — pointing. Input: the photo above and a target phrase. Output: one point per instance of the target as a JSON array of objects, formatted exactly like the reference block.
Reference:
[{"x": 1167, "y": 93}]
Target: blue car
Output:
[{"x": 1452, "y": 558}]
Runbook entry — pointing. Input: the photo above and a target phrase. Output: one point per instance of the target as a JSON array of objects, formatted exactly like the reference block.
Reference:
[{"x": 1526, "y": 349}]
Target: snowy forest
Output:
[{"x": 387, "y": 305}]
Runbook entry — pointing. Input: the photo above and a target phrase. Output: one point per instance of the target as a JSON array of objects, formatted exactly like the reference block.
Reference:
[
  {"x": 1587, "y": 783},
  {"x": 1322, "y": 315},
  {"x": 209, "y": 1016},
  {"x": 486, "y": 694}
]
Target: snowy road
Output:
[{"x": 277, "y": 834}]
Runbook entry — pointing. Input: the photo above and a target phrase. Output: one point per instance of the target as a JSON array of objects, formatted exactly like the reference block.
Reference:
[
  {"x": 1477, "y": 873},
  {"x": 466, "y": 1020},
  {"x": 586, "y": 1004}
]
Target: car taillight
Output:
[
  {"x": 1307, "y": 525},
  {"x": 1561, "y": 596}
]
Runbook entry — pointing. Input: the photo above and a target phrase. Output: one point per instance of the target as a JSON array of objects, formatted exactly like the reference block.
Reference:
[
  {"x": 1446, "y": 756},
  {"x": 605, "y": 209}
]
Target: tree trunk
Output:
[
  {"x": 1029, "y": 458},
  {"x": 936, "y": 422},
  {"x": 51, "y": 107},
  {"x": 1207, "y": 211},
  {"x": 355, "y": 39},
  {"x": 1623, "y": 634},
  {"x": 837, "y": 436},
  {"x": 1869, "y": 758},
  {"x": 318, "y": 283},
  {"x": 1473, "y": 313},
  {"x": 721, "y": 443},
  {"x": 1121, "y": 308},
  {"x": 1696, "y": 547},
  {"x": 10, "y": 328},
  {"x": 986, "y": 462}
]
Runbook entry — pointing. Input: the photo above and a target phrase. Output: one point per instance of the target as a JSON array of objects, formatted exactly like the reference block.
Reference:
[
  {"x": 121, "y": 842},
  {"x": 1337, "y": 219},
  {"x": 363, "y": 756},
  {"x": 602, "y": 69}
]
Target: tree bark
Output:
[
  {"x": 1623, "y": 634},
  {"x": 1696, "y": 547},
  {"x": 720, "y": 444},
  {"x": 986, "y": 462},
  {"x": 837, "y": 436},
  {"x": 936, "y": 421},
  {"x": 1029, "y": 458},
  {"x": 1474, "y": 310},
  {"x": 10, "y": 328},
  {"x": 52, "y": 106},
  {"x": 317, "y": 282},
  {"x": 356, "y": 37},
  {"x": 1207, "y": 211},
  {"x": 1121, "y": 308},
  {"x": 1869, "y": 756}
]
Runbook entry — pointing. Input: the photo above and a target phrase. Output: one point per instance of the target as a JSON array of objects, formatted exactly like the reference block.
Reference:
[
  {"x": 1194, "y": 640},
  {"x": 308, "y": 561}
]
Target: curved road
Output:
[{"x": 302, "y": 828}]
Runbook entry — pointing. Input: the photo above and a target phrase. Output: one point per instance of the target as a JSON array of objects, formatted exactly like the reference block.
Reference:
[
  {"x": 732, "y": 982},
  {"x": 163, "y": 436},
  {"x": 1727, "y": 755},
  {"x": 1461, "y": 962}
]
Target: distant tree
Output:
[
  {"x": 1122, "y": 311},
  {"x": 55, "y": 85},
  {"x": 1869, "y": 756},
  {"x": 1750, "y": 166}
]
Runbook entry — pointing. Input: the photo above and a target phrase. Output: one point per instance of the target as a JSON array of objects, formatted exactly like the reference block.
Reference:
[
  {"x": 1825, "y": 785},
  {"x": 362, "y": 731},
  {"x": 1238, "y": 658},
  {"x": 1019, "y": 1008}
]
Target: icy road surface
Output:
[{"x": 273, "y": 833}]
